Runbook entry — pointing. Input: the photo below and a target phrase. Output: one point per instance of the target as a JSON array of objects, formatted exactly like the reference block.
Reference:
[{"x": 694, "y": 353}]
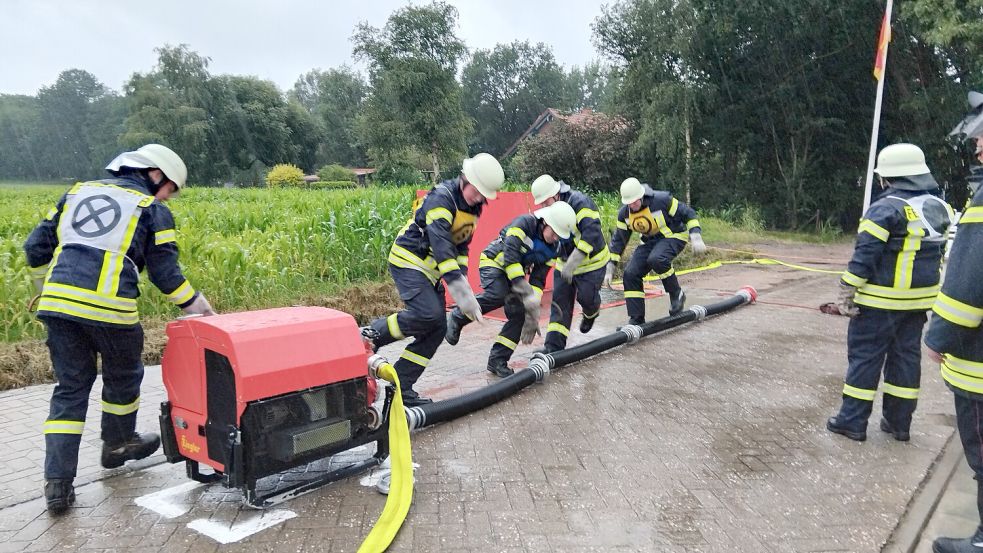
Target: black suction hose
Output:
[{"x": 542, "y": 364}]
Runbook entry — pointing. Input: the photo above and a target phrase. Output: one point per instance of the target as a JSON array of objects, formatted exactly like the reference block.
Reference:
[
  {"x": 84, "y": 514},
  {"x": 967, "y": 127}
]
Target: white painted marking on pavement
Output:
[
  {"x": 232, "y": 533},
  {"x": 168, "y": 502}
]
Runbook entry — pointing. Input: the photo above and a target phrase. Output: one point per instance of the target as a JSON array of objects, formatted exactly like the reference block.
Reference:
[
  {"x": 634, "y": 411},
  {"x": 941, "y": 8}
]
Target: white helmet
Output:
[
  {"x": 560, "y": 217},
  {"x": 485, "y": 173},
  {"x": 153, "y": 156},
  {"x": 901, "y": 160},
  {"x": 631, "y": 190},
  {"x": 544, "y": 187}
]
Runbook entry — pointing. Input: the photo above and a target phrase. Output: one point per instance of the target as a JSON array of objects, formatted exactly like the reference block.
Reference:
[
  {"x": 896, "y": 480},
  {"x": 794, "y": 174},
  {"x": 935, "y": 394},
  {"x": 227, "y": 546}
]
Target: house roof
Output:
[{"x": 579, "y": 118}]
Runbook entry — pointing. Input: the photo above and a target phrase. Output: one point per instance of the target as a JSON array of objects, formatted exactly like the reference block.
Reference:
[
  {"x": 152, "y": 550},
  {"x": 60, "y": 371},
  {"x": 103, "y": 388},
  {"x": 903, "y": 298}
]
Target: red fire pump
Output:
[{"x": 255, "y": 393}]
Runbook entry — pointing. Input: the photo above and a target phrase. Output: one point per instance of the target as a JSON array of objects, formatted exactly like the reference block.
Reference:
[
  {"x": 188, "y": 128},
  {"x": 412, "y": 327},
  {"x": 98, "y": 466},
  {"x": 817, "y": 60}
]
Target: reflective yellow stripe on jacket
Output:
[
  {"x": 963, "y": 374},
  {"x": 401, "y": 257},
  {"x": 896, "y": 299}
]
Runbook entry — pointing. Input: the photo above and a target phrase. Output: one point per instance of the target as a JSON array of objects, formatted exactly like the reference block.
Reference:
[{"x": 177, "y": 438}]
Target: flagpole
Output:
[{"x": 877, "y": 114}]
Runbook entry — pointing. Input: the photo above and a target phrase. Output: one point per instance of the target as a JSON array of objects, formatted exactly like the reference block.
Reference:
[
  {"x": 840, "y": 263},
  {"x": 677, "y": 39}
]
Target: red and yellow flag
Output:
[{"x": 882, "y": 41}]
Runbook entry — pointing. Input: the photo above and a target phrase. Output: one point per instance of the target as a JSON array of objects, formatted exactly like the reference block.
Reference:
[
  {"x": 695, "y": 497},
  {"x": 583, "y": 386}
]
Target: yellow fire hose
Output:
[{"x": 401, "y": 483}]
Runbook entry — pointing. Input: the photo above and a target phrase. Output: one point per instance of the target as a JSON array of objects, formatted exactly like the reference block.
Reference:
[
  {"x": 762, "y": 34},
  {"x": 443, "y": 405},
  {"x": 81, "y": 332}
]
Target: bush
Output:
[
  {"x": 399, "y": 173},
  {"x": 335, "y": 173},
  {"x": 285, "y": 175},
  {"x": 331, "y": 184}
]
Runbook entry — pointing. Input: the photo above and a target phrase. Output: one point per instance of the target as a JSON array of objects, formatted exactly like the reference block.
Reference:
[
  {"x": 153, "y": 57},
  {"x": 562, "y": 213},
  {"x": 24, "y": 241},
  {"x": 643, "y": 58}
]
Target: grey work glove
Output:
[
  {"x": 570, "y": 265},
  {"x": 530, "y": 299},
  {"x": 38, "y": 284},
  {"x": 844, "y": 300},
  {"x": 464, "y": 298},
  {"x": 530, "y": 328},
  {"x": 199, "y": 307},
  {"x": 608, "y": 275},
  {"x": 696, "y": 242}
]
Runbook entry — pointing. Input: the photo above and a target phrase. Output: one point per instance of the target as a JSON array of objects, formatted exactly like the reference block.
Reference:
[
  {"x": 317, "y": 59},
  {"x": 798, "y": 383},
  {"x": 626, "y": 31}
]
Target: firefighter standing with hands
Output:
[
  {"x": 891, "y": 281},
  {"x": 433, "y": 246},
  {"x": 527, "y": 245},
  {"x": 955, "y": 337},
  {"x": 85, "y": 259},
  {"x": 666, "y": 225},
  {"x": 583, "y": 259}
]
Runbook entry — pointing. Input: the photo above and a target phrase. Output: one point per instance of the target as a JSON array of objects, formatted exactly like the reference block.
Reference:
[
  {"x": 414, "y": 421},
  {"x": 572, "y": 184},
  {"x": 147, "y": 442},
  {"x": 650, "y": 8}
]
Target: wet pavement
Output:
[{"x": 707, "y": 438}]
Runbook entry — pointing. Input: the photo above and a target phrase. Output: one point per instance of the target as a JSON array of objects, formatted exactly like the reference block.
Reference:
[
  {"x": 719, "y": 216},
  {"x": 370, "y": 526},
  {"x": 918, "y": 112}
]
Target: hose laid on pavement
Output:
[{"x": 541, "y": 364}]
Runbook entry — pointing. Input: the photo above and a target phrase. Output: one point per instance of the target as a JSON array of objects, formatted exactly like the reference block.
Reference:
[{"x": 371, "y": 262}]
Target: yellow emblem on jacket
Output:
[
  {"x": 463, "y": 226},
  {"x": 643, "y": 222}
]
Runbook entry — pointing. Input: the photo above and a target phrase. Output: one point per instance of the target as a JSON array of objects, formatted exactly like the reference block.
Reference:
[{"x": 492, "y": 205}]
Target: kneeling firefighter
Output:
[
  {"x": 890, "y": 283},
  {"x": 582, "y": 262},
  {"x": 85, "y": 259},
  {"x": 527, "y": 245},
  {"x": 433, "y": 246},
  {"x": 666, "y": 225}
]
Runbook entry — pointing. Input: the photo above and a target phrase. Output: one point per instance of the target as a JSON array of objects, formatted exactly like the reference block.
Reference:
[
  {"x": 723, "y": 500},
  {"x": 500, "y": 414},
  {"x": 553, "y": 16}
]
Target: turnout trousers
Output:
[
  {"x": 74, "y": 347},
  {"x": 585, "y": 290},
  {"x": 497, "y": 292},
  {"x": 969, "y": 421},
  {"x": 423, "y": 318},
  {"x": 888, "y": 341},
  {"x": 656, "y": 255}
]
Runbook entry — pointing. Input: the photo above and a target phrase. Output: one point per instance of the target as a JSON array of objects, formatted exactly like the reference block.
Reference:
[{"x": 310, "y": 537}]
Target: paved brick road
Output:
[{"x": 709, "y": 438}]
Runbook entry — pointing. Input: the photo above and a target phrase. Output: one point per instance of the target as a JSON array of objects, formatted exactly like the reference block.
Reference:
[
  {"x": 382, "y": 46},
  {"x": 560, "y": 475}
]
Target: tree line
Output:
[{"x": 728, "y": 102}]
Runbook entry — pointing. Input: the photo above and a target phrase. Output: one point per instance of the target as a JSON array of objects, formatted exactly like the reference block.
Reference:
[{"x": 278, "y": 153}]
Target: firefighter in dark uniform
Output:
[
  {"x": 666, "y": 225},
  {"x": 85, "y": 259},
  {"x": 527, "y": 245},
  {"x": 433, "y": 246},
  {"x": 954, "y": 337},
  {"x": 891, "y": 281},
  {"x": 581, "y": 266}
]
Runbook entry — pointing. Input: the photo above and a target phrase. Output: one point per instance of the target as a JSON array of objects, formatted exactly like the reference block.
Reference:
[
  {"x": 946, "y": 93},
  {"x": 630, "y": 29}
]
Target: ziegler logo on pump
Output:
[{"x": 189, "y": 446}]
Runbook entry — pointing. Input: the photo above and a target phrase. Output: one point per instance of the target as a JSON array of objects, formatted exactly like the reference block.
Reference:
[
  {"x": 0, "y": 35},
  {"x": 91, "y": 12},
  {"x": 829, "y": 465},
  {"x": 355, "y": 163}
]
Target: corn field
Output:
[
  {"x": 258, "y": 248},
  {"x": 245, "y": 248}
]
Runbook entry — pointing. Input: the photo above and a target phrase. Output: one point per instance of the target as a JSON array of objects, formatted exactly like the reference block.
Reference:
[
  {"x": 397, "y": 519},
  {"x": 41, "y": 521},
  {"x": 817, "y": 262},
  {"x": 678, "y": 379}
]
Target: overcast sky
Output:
[{"x": 274, "y": 40}]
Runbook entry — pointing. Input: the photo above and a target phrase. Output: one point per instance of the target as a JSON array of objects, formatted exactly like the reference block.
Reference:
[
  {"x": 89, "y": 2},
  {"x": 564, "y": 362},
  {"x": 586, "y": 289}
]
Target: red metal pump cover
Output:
[{"x": 271, "y": 352}]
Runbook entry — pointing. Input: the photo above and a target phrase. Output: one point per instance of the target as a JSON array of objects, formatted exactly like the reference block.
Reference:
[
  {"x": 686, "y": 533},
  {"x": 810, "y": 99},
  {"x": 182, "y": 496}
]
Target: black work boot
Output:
[
  {"x": 499, "y": 367},
  {"x": 833, "y": 425},
  {"x": 454, "y": 326},
  {"x": 413, "y": 399},
  {"x": 587, "y": 324},
  {"x": 637, "y": 321},
  {"x": 369, "y": 336},
  {"x": 677, "y": 303},
  {"x": 973, "y": 544},
  {"x": 137, "y": 446},
  {"x": 900, "y": 435},
  {"x": 59, "y": 494}
]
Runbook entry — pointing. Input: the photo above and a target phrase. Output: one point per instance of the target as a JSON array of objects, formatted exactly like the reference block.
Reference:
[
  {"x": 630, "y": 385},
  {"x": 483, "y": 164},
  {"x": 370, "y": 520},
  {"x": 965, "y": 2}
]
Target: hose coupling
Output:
[
  {"x": 634, "y": 333},
  {"x": 415, "y": 417},
  {"x": 541, "y": 364},
  {"x": 749, "y": 294},
  {"x": 699, "y": 311},
  {"x": 376, "y": 361}
]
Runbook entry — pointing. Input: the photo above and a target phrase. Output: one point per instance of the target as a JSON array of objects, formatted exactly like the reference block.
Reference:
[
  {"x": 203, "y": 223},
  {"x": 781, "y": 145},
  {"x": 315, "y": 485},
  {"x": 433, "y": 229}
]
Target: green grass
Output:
[{"x": 258, "y": 248}]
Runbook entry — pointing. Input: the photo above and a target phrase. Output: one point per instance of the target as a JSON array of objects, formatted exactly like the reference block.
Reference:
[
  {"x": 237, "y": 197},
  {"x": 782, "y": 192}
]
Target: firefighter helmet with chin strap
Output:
[
  {"x": 485, "y": 173},
  {"x": 560, "y": 217},
  {"x": 631, "y": 190}
]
